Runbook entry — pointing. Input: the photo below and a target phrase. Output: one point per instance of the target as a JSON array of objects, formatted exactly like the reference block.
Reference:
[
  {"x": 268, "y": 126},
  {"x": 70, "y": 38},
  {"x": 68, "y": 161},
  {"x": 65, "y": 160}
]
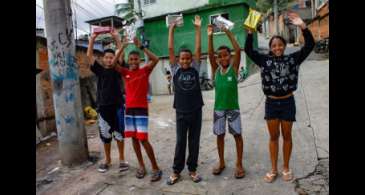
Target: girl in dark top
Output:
[{"x": 279, "y": 74}]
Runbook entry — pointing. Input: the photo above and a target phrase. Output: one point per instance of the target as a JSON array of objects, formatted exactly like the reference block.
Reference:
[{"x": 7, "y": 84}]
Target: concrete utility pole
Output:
[
  {"x": 276, "y": 21},
  {"x": 65, "y": 81}
]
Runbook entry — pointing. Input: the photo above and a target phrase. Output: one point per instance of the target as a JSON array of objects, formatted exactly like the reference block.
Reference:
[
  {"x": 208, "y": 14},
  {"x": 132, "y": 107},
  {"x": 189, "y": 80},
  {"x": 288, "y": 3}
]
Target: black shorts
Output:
[
  {"x": 282, "y": 109},
  {"x": 111, "y": 123}
]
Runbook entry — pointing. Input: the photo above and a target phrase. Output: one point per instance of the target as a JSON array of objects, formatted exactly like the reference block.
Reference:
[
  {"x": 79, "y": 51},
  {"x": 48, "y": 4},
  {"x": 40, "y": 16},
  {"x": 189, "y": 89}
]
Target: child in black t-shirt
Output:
[
  {"x": 110, "y": 101},
  {"x": 188, "y": 103}
]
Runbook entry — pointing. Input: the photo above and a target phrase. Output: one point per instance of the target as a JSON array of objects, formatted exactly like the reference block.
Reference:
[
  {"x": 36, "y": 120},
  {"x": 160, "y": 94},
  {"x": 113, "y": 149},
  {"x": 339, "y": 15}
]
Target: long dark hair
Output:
[{"x": 276, "y": 37}]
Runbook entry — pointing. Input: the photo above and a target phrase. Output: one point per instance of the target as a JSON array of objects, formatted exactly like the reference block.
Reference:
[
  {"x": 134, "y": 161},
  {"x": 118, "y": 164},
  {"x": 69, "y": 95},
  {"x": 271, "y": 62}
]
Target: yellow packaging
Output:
[
  {"x": 252, "y": 19},
  {"x": 90, "y": 113}
]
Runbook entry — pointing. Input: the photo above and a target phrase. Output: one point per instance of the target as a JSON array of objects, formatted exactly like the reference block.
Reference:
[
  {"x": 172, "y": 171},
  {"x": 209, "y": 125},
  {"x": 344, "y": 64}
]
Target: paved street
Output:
[{"x": 309, "y": 157}]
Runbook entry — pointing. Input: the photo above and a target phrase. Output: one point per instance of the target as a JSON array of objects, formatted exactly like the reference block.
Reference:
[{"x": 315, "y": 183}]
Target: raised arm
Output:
[
  {"x": 171, "y": 44},
  {"x": 120, "y": 51},
  {"x": 250, "y": 51},
  {"x": 308, "y": 38},
  {"x": 119, "y": 44},
  {"x": 211, "y": 55},
  {"x": 116, "y": 37},
  {"x": 152, "y": 58},
  {"x": 197, "y": 24},
  {"x": 237, "y": 50},
  {"x": 90, "y": 49}
]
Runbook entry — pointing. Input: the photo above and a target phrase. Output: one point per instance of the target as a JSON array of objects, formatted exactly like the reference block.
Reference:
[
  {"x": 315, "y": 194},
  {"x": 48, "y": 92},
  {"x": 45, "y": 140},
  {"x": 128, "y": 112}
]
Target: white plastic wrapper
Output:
[
  {"x": 221, "y": 22},
  {"x": 130, "y": 32},
  {"x": 170, "y": 19}
]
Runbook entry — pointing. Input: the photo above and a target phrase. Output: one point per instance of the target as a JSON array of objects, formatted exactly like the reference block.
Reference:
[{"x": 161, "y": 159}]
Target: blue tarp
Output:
[{"x": 85, "y": 44}]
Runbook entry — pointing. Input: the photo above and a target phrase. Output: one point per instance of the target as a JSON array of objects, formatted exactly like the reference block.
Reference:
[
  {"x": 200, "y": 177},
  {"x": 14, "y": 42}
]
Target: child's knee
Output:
[
  {"x": 287, "y": 137},
  {"x": 144, "y": 142},
  {"x": 275, "y": 137},
  {"x": 221, "y": 136},
  {"x": 237, "y": 136}
]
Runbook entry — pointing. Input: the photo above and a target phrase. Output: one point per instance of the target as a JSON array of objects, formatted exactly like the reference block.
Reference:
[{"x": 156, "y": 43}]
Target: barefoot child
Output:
[
  {"x": 188, "y": 103},
  {"x": 279, "y": 74},
  {"x": 226, "y": 107},
  {"x": 109, "y": 100},
  {"x": 136, "y": 116}
]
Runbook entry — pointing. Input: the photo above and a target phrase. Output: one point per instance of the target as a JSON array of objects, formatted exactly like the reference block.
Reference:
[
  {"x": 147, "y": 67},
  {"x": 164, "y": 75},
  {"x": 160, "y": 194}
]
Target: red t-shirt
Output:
[{"x": 136, "y": 86}]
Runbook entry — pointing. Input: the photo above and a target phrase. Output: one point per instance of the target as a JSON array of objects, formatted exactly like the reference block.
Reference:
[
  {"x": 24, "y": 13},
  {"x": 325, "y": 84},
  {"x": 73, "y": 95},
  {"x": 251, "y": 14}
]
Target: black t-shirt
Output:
[
  {"x": 108, "y": 86},
  {"x": 188, "y": 96}
]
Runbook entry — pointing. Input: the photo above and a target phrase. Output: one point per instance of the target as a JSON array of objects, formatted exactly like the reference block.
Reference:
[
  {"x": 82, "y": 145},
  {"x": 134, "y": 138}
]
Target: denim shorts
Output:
[{"x": 282, "y": 109}]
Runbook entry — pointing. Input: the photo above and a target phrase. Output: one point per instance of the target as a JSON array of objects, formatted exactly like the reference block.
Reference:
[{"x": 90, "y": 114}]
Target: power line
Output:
[
  {"x": 97, "y": 10},
  {"x": 101, "y": 5},
  {"x": 85, "y": 10}
]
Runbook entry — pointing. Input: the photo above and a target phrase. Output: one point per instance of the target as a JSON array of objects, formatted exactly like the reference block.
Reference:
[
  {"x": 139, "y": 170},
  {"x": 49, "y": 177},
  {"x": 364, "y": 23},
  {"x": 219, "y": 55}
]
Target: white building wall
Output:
[
  {"x": 162, "y": 7},
  {"x": 158, "y": 79}
]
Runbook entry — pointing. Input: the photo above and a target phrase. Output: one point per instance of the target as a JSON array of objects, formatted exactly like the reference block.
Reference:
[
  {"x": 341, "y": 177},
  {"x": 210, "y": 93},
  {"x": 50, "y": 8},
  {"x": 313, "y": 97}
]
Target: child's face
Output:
[
  {"x": 224, "y": 58},
  {"x": 134, "y": 60},
  {"x": 185, "y": 59},
  {"x": 277, "y": 47},
  {"x": 108, "y": 59}
]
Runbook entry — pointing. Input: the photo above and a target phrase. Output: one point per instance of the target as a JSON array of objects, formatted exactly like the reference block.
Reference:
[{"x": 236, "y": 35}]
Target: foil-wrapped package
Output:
[
  {"x": 129, "y": 32},
  {"x": 178, "y": 18},
  {"x": 221, "y": 22}
]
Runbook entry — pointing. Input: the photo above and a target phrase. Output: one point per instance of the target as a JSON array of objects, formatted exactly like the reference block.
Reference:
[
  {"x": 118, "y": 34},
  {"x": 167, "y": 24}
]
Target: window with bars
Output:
[{"x": 148, "y": 2}]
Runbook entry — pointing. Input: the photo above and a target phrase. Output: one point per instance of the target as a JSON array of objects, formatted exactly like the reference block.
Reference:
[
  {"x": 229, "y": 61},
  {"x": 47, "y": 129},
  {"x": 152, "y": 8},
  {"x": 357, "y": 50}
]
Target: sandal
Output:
[
  {"x": 218, "y": 170},
  {"x": 270, "y": 176},
  {"x": 123, "y": 166},
  {"x": 173, "y": 179},
  {"x": 195, "y": 178},
  {"x": 287, "y": 176},
  {"x": 239, "y": 173},
  {"x": 140, "y": 173},
  {"x": 156, "y": 176}
]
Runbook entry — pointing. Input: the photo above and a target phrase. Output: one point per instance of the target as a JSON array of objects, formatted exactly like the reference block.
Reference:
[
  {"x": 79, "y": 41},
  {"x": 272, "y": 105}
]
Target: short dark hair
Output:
[
  {"x": 224, "y": 47},
  {"x": 109, "y": 51},
  {"x": 277, "y": 37},
  {"x": 134, "y": 52},
  {"x": 185, "y": 50}
]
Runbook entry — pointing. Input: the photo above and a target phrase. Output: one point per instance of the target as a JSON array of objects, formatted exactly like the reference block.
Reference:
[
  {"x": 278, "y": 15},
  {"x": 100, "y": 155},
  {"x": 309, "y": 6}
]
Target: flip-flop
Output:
[
  {"x": 270, "y": 177},
  {"x": 156, "y": 176},
  {"x": 173, "y": 179},
  {"x": 140, "y": 173},
  {"x": 287, "y": 176},
  {"x": 218, "y": 171},
  {"x": 195, "y": 178},
  {"x": 239, "y": 174}
]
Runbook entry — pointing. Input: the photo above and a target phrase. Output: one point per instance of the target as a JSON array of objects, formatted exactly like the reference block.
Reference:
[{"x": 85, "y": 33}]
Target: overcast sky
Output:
[{"x": 85, "y": 10}]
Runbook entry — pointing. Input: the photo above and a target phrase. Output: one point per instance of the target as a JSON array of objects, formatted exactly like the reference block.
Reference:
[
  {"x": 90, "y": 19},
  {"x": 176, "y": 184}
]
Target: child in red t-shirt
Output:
[{"x": 136, "y": 116}]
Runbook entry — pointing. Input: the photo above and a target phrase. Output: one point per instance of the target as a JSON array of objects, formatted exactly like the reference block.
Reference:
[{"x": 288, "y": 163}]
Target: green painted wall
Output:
[
  {"x": 157, "y": 32},
  {"x": 251, "y": 3}
]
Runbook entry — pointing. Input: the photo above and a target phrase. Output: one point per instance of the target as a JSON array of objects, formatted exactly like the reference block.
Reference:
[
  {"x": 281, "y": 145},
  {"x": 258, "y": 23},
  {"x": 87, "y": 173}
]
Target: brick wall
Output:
[
  {"x": 45, "y": 112},
  {"x": 321, "y": 23}
]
